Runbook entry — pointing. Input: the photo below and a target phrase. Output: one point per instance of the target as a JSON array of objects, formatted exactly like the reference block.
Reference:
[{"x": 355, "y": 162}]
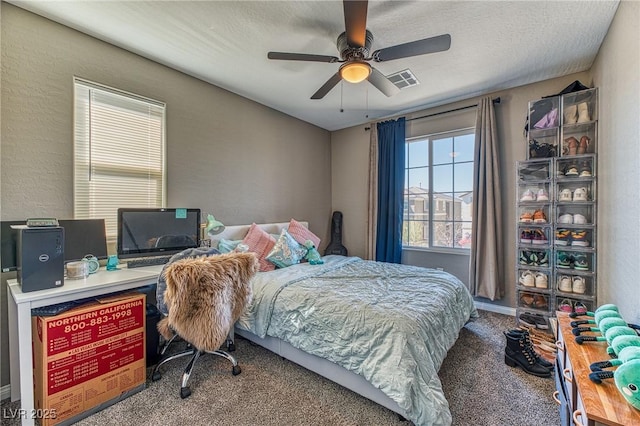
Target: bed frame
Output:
[{"x": 321, "y": 366}]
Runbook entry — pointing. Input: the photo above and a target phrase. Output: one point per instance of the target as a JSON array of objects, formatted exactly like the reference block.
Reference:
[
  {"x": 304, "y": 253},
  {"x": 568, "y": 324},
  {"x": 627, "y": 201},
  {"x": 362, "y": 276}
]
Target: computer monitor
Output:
[
  {"x": 9, "y": 242},
  {"x": 155, "y": 232},
  {"x": 84, "y": 237}
]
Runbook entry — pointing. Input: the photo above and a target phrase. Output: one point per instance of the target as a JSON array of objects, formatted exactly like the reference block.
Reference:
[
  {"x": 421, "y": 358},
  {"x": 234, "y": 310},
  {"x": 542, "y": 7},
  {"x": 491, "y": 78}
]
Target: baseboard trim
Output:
[
  {"x": 5, "y": 392},
  {"x": 499, "y": 309}
]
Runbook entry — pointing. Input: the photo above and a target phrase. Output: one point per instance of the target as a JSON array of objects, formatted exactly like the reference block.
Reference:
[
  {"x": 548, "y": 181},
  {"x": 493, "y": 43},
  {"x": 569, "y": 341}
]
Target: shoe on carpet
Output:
[{"x": 520, "y": 353}]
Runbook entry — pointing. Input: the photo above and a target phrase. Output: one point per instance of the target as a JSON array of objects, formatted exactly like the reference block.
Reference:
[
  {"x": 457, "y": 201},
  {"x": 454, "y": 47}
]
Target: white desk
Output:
[{"x": 19, "y": 319}]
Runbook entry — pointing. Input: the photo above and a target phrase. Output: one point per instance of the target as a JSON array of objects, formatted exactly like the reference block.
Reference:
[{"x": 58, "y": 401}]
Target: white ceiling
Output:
[{"x": 495, "y": 45}]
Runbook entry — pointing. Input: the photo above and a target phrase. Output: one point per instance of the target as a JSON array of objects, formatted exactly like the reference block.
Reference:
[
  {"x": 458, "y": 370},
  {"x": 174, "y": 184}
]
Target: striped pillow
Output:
[
  {"x": 301, "y": 234},
  {"x": 261, "y": 244}
]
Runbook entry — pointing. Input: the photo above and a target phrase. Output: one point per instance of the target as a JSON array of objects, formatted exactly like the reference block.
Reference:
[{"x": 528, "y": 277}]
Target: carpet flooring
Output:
[{"x": 480, "y": 388}]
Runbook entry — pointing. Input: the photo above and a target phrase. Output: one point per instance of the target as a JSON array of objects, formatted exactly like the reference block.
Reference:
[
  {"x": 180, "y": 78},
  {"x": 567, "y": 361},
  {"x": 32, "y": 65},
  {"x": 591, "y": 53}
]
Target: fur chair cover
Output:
[{"x": 206, "y": 296}]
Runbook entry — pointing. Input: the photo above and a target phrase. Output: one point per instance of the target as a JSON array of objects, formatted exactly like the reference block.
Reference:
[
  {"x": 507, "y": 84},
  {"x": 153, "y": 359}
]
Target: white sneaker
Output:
[
  {"x": 528, "y": 196},
  {"x": 566, "y": 218},
  {"x": 565, "y": 195},
  {"x": 579, "y": 285},
  {"x": 542, "y": 195},
  {"x": 580, "y": 194},
  {"x": 527, "y": 279},
  {"x": 579, "y": 219},
  {"x": 541, "y": 280},
  {"x": 564, "y": 284}
]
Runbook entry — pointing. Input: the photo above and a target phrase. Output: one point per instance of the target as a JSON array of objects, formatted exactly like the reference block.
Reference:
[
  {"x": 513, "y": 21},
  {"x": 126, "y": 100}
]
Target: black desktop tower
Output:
[{"x": 40, "y": 258}]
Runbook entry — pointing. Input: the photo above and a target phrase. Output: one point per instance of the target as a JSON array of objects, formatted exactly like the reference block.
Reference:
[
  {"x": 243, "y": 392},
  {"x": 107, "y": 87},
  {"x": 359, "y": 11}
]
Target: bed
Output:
[{"x": 381, "y": 330}]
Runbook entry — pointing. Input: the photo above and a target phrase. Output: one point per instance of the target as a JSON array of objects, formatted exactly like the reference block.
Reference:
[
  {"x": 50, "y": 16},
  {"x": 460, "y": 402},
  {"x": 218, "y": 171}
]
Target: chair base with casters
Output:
[
  {"x": 195, "y": 353},
  {"x": 204, "y": 297}
]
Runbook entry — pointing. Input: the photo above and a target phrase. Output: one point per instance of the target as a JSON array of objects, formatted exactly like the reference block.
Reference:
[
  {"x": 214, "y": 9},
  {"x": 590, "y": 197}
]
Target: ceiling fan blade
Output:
[
  {"x": 382, "y": 83},
  {"x": 326, "y": 88},
  {"x": 355, "y": 22},
  {"x": 301, "y": 57},
  {"x": 413, "y": 48}
]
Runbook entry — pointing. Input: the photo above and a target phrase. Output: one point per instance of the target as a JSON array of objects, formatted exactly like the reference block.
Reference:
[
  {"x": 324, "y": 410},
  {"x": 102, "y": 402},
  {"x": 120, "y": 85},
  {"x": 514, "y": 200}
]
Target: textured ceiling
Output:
[{"x": 495, "y": 45}]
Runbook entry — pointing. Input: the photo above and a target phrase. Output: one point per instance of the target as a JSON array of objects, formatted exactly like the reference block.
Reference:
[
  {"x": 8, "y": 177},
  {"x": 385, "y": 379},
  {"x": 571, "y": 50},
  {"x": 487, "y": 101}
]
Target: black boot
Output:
[
  {"x": 517, "y": 333},
  {"x": 518, "y": 354}
]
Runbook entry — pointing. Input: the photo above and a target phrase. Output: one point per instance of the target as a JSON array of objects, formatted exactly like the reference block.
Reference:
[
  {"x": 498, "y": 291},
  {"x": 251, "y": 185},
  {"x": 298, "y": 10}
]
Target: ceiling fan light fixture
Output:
[{"x": 355, "y": 71}]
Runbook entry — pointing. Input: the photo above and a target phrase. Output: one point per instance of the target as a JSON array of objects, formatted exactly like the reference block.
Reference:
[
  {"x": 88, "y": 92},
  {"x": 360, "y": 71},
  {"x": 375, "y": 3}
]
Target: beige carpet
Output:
[{"x": 480, "y": 388}]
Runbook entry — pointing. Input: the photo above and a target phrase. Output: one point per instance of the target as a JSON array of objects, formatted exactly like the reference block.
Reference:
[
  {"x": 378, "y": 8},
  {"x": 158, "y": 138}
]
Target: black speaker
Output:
[{"x": 40, "y": 258}]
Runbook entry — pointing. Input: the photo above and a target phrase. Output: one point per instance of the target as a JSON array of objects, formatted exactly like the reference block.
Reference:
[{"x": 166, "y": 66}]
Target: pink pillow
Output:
[
  {"x": 301, "y": 234},
  {"x": 260, "y": 243}
]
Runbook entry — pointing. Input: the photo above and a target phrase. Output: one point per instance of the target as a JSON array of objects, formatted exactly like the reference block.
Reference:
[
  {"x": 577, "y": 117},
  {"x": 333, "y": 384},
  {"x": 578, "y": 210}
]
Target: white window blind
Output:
[{"x": 119, "y": 156}]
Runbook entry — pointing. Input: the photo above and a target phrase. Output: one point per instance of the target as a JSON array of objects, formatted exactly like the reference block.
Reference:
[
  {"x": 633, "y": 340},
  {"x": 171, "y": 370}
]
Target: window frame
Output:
[
  {"x": 430, "y": 200},
  {"x": 82, "y": 155}
]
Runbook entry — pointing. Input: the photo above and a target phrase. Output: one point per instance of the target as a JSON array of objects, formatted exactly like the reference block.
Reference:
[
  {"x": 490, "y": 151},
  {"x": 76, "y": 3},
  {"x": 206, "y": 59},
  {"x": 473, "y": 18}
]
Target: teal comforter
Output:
[{"x": 392, "y": 324}]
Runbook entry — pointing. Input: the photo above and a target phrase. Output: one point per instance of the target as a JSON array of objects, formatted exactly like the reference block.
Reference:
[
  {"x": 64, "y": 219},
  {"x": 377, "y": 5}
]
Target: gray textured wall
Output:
[{"x": 227, "y": 155}]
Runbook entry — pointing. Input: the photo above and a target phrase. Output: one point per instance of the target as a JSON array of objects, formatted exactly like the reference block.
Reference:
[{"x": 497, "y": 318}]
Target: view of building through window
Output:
[{"x": 438, "y": 192}]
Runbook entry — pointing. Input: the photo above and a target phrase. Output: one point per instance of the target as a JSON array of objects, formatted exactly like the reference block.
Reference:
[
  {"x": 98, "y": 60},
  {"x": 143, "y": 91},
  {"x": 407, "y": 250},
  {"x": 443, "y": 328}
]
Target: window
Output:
[
  {"x": 439, "y": 173},
  {"x": 119, "y": 153}
]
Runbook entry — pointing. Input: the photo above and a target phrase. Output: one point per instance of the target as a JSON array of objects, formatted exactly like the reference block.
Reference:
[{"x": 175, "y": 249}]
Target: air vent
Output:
[{"x": 403, "y": 79}]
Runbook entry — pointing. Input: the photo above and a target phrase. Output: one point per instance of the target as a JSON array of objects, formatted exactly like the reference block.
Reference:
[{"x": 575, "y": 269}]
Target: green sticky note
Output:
[{"x": 181, "y": 213}]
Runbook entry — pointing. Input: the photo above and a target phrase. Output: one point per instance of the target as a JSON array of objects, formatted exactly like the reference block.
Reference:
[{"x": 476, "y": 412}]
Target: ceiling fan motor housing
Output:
[{"x": 348, "y": 53}]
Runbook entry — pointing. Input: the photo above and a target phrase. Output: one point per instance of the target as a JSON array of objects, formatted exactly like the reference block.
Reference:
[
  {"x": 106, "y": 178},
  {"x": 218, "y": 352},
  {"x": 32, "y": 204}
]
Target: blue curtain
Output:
[{"x": 391, "y": 147}]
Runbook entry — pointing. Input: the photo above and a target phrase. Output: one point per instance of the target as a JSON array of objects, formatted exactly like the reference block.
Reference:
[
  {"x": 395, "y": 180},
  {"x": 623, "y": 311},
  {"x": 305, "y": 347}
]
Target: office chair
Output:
[{"x": 204, "y": 296}]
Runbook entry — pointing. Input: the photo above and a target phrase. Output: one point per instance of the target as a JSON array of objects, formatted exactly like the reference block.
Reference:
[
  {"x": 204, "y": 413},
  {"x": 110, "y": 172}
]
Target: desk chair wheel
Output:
[
  {"x": 156, "y": 376},
  {"x": 236, "y": 370},
  {"x": 185, "y": 392}
]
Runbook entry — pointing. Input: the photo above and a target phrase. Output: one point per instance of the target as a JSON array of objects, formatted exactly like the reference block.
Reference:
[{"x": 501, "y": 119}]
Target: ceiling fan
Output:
[{"x": 354, "y": 45}]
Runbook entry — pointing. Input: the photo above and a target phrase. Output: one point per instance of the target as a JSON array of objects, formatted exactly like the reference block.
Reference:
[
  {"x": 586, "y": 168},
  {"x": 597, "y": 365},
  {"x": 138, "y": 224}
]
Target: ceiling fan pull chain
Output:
[
  {"x": 366, "y": 115},
  {"x": 341, "y": 93}
]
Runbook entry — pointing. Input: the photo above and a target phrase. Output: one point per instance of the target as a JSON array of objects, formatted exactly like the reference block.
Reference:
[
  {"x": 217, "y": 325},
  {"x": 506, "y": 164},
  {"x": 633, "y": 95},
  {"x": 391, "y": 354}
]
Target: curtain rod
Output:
[{"x": 495, "y": 101}]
